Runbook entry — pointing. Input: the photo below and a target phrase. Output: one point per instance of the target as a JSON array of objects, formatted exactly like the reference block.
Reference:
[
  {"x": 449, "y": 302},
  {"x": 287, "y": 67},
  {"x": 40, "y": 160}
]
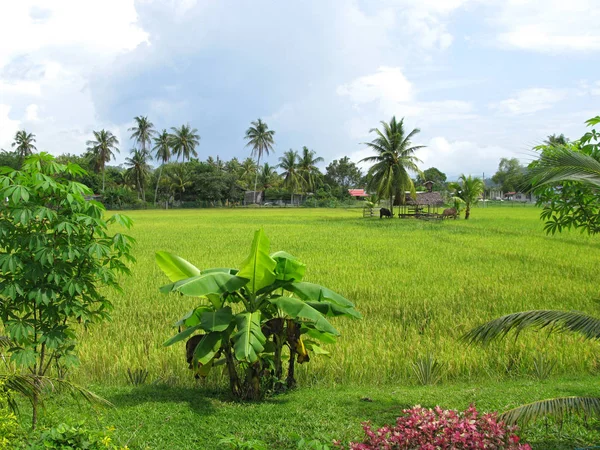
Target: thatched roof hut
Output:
[{"x": 422, "y": 199}]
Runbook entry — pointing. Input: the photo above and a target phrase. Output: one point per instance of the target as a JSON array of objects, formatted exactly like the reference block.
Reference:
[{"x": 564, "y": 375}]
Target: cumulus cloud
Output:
[
  {"x": 529, "y": 101},
  {"x": 549, "y": 26}
]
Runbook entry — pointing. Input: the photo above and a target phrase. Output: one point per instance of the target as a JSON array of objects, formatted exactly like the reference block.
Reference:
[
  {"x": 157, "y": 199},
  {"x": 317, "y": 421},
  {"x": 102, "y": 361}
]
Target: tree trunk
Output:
[
  {"x": 293, "y": 334},
  {"x": 157, "y": 183},
  {"x": 392, "y": 204},
  {"x": 103, "y": 172},
  {"x": 234, "y": 381},
  {"x": 467, "y": 212},
  {"x": 256, "y": 176}
]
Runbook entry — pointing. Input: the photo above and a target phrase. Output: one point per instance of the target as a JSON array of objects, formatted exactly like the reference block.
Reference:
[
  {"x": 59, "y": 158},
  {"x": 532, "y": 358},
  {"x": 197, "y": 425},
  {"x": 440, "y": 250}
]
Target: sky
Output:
[{"x": 482, "y": 79}]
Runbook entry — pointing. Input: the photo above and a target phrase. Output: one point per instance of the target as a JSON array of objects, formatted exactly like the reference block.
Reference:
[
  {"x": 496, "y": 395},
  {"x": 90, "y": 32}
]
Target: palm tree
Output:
[
  {"x": 291, "y": 177},
  {"x": 162, "y": 153},
  {"x": 232, "y": 166},
  {"x": 394, "y": 159},
  {"x": 247, "y": 171},
  {"x": 142, "y": 132},
  {"x": 260, "y": 138},
  {"x": 564, "y": 164},
  {"x": 468, "y": 189},
  {"x": 556, "y": 140},
  {"x": 138, "y": 170},
  {"x": 268, "y": 176},
  {"x": 307, "y": 167},
  {"x": 102, "y": 148},
  {"x": 23, "y": 144},
  {"x": 554, "y": 321},
  {"x": 179, "y": 178},
  {"x": 184, "y": 141}
]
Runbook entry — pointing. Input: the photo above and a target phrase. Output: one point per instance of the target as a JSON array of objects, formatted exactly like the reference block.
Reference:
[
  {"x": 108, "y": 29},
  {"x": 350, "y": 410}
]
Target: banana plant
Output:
[{"x": 247, "y": 317}]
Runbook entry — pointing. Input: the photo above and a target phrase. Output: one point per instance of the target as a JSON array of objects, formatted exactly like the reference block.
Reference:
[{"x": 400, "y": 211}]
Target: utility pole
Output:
[{"x": 484, "y": 205}]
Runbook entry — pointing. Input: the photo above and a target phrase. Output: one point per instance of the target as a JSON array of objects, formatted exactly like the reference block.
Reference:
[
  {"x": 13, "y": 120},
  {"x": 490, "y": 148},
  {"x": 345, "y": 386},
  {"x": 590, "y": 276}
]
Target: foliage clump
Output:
[
  {"x": 55, "y": 254},
  {"x": 437, "y": 428},
  {"x": 77, "y": 436},
  {"x": 248, "y": 317}
]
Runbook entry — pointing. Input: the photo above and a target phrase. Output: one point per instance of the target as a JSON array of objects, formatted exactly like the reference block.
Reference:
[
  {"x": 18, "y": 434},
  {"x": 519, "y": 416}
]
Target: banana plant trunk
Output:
[
  {"x": 293, "y": 334},
  {"x": 234, "y": 381}
]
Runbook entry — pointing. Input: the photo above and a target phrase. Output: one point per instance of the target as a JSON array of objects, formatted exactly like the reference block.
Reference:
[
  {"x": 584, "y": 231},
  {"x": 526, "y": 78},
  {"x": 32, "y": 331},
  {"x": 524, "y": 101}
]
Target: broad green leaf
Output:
[
  {"x": 259, "y": 267},
  {"x": 192, "y": 317},
  {"x": 203, "y": 285},
  {"x": 208, "y": 347},
  {"x": 329, "y": 309},
  {"x": 216, "y": 320},
  {"x": 219, "y": 269},
  {"x": 174, "y": 267},
  {"x": 316, "y": 293},
  {"x": 319, "y": 335},
  {"x": 288, "y": 267},
  {"x": 249, "y": 341},
  {"x": 315, "y": 348},
  {"x": 181, "y": 336},
  {"x": 298, "y": 309}
]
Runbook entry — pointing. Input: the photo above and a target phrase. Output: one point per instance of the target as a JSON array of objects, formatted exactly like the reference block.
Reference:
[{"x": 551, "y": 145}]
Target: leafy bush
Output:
[
  {"x": 247, "y": 317},
  {"x": 430, "y": 429},
  {"x": 63, "y": 437}
]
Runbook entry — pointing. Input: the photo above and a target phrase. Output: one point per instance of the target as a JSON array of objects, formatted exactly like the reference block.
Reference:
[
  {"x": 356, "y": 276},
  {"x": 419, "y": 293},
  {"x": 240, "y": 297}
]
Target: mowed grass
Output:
[{"x": 419, "y": 285}]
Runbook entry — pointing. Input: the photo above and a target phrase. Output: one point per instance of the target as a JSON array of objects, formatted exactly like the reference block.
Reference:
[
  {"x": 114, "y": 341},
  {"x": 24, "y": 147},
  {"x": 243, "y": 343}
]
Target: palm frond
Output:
[
  {"x": 577, "y": 322},
  {"x": 565, "y": 164},
  {"x": 554, "y": 407}
]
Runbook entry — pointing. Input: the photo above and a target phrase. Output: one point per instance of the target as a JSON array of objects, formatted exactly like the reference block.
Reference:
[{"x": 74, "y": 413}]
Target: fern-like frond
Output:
[
  {"x": 553, "y": 407},
  {"x": 565, "y": 164},
  {"x": 577, "y": 322}
]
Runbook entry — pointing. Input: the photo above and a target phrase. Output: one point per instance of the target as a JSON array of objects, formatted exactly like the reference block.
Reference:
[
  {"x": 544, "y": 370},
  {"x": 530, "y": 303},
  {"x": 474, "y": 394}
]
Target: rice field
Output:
[{"x": 419, "y": 285}]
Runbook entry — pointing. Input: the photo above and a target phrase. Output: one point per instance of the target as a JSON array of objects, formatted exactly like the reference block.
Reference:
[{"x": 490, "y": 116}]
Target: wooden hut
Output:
[{"x": 424, "y": 206}]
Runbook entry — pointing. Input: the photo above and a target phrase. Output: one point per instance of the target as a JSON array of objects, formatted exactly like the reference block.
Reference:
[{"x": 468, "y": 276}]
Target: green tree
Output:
[
  {"x": 565, "y": 180},
  {"x": 261, "y": 139},
  {"x": 138, "y": 170},
  {"x": 24, "y": 144},
  {"x": 556, "y": 140},
  {"x": 343, "y": 173},
  {"x": 184, "y": 141},
  {"x": 394, "y": 160},
  {"x": 102, "y": 148},
  {"x": 162, "y": 153},
  {"x": 9, "y": 159},
  {"x": 292, "y": 179},
  {"x": 308, "y": 170},
  {"x": 251, "y": 315},
  {"x": 268, "y": 176},
  {"x": 436, "y": 176},
  {"x": 468, "y": 189},
  {"x": 55, "y": 254},
  {"x": 142, "y": 132},
  {"x": 510, "y": 175},
  {"x": 247, "y": 172}
]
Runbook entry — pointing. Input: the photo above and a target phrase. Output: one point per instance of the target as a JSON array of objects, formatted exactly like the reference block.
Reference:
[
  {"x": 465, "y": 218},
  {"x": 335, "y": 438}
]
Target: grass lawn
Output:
[{"x": 419, "y": 285}]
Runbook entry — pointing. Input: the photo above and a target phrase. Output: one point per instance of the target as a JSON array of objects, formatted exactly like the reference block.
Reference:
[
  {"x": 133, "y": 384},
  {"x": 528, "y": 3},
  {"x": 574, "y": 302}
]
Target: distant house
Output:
[
  {"x": 249, "y": 198},
  {"x": 520, "y": 197},
  {"x": 357, "y": 193}
]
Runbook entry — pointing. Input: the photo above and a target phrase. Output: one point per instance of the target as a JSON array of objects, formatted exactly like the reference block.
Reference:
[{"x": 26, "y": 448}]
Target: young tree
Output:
[
  {"x": 435, "y": 175},
  {"x": 138, "y": 170},
  {"x": 260, "y": 138},
  {"x": 307, "y": 167},
  {"x": 184, "y": 141},
  {"x": 394, "y": 160},
  {"x": 55, "y": 255},
  {"x": 468, "y": 189},
  {"x": 343, "y": 173},
  {"x": 102, "y": 147},
  {"x": 23, "y": 144}
]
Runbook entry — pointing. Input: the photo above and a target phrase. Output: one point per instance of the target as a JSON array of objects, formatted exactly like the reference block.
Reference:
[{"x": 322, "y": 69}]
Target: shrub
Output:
[
  {"x": 430, "y": 429},
  {"x": 63, "y": 437},
  {"x": 9, "y": 427}
]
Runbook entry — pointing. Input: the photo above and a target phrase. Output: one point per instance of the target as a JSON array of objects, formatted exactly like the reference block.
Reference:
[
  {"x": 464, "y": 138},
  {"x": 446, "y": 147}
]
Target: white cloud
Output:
[
  {"x": 8, "y": 127},
  {"x": 388, "y": 84},
  {"x": 529, "y": 101},
  {"x": 550, "y": 25},
  {"x": 54, "y": 49}
]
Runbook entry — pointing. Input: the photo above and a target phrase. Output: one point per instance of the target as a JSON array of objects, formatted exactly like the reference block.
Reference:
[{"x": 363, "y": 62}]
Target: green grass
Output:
[
  {"x": 176, "y": 417},
  {"x": 420, "y": 286}
]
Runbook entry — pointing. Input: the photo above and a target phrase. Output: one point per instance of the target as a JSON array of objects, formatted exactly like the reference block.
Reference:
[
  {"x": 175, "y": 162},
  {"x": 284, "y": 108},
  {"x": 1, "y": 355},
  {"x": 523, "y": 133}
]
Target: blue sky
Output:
[{"x": 482, "y": 79}]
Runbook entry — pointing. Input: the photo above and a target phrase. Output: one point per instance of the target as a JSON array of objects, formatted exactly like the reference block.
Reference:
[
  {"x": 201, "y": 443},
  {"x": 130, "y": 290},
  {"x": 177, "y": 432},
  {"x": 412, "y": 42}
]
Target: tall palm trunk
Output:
[
  {"x": 103, "y": 178},
  {"x": 158, "y": 183},
  {"x": 256, "y": 177},
  {"x": 467, "y": 212}
]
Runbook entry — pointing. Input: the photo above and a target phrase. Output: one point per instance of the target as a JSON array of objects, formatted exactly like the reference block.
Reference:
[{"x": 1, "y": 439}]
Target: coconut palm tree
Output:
[
  {"x": 247, "y": 171},
  {"x": 162, "y": 153},
  {"x": 142, "y": 132},
  {"x": 564, "y": 164},
  {"x": 260, "y": 138},
  {"x": 307, "y": 167},
  {"x": 138, "y": 170},
  {"x": 291, "y": 177},
  {"x": 184, "y": 141},
  {"x": 268, "y": 176},
  {"x": 395, "y": 158},
  {"x": 102, "y": 147},
  {"x": 179, "y": 177},
  {"x": 556, "y": 140},
  {"x": 468, "y": 189},
  {"x": 23, "y": 144}
]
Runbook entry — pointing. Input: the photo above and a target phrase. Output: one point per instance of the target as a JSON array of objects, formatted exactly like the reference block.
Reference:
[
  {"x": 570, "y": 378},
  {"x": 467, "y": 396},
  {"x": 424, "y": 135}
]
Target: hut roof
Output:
[
  {"x": 423, "y": 198},
  {"x": 357, "y": 193}
]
